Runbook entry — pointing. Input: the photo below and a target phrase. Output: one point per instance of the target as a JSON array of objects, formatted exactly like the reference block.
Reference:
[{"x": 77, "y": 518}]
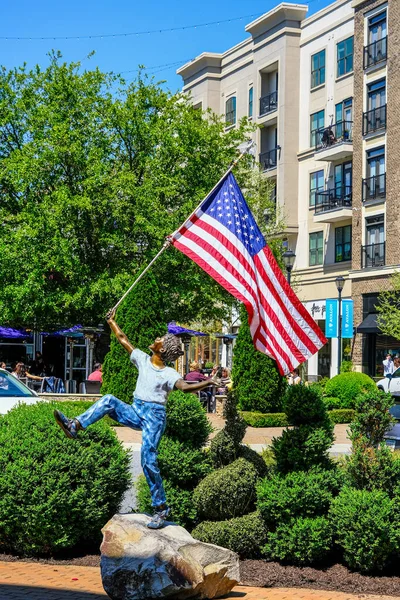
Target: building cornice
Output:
[
  {"x": 283, "y": 12},
  {"x": 371, "y": 272}
]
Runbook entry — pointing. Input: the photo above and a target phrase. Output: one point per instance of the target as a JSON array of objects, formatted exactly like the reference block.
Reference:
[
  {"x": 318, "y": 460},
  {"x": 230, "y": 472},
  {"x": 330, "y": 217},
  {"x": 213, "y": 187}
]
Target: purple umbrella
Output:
[
  {"x": 178, "y": 330},
  {"x": 8, "y": 332}
]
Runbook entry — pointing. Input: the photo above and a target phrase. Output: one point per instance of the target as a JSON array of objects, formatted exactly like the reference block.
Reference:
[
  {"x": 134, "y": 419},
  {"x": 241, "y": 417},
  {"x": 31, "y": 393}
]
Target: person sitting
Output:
[
  {"x": 294, "y": 377},
  {"x": 225, "y": 379},
  {"x": 21, "y": 372},
  {"x": 195, "y": 373},
  {"x": 97, "y": 374}
]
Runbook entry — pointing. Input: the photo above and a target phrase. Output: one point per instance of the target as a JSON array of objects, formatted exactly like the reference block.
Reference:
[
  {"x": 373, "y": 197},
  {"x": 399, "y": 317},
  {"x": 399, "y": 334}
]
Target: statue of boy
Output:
[{"x": 147, "y": 413}]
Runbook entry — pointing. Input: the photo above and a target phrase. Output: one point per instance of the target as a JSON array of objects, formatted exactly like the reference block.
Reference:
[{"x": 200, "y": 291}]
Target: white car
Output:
[
  {"x": 13, "y": 391},
  {"x": 390, "y": 384}
]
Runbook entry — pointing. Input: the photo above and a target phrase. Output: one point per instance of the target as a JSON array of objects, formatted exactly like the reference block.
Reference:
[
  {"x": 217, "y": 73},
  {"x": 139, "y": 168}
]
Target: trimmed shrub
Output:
[
  {"x": 302, "y": 541},
  {"x": 372, "y": 417},
  {"x": 332, "y": 403},
  {"x": 56, "y": 494},
  {"x": 226, "y": 445},
  {"x": 341, "y": 415},
  {"x": 347, "y": 386},
  {"x": 187, "y": 420},
  {"x": 228, "y": 492},
  {"x": 303, "y": 406},
  {"x": 255, "y": 459},
  {"x": 301, "y": 494},
  {"x": 257, "y": 419},
  {"x": 244, "y": 535},
  {"x": 142, "y": 327},
  {"x": 256, "y": 380},
  {"x": 366, "y": 528},
  {"x": 346, "y": 366},
  {"x": 182, "y": 465}
]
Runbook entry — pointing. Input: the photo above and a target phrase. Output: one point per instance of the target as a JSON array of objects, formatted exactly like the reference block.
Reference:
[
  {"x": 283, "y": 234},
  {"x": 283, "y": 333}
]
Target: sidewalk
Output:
[
  {"x": 36, "y": 581},
  {"x": 256, "y": 437}
]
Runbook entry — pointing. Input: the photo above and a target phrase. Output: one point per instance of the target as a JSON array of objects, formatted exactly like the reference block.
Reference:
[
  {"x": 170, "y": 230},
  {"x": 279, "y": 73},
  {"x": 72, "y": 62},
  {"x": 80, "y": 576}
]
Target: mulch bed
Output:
[{"x": 260, "y": 573}]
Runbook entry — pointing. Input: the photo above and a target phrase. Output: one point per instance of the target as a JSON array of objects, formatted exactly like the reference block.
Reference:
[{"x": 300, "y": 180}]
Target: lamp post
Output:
[
  {"x": 289, "y": 258},
  {"x": 339, "y": 286},
  {"x": 186, "y": 337}
]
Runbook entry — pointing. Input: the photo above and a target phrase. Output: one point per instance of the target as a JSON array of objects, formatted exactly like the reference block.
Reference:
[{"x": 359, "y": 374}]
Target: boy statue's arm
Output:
[{"x": 119, "y": 334}]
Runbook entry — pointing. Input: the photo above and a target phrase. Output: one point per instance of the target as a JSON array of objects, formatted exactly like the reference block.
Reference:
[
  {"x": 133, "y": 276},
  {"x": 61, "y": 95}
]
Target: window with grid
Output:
[
  {"x": 345, "y": 56},
  {"x": 317, "y": 121},
  {"x": 250, "y": 102},
  {"x": 230, "y": 111},
  {"x": 317, "y": 184},
  {"x": 318, "y": 69},
  {"x": 316, "y": 246},
  {"x": 343, "y": 243}
]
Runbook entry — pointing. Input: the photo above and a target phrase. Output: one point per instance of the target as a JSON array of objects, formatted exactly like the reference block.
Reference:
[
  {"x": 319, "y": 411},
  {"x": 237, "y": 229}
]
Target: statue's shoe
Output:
[
  {"x": 69, "y": 426},
  {"x": 159, "y": 518}
]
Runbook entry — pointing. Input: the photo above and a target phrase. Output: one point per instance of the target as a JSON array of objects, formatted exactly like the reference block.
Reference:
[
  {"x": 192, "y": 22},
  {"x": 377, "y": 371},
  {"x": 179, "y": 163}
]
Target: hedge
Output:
[
  {"x": 256, "y": 419},
  {"x": 347, "y": 386},
  {"x": 244, "y": 535}
]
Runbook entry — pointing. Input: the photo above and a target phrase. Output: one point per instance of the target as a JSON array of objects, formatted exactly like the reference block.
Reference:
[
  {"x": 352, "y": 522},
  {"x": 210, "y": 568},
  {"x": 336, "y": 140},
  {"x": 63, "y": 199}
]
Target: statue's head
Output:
[{"x": 168, "y": 347}]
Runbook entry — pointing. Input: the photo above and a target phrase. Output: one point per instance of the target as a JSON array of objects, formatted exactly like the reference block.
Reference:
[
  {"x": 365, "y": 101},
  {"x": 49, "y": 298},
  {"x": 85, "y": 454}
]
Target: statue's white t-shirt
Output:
[{"x": 153, "y": 385}]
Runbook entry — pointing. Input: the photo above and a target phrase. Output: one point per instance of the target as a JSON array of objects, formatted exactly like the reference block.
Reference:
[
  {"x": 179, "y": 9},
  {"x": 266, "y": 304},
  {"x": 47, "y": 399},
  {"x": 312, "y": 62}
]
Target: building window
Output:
[
  {"x": 375, "y": 117},
  {"x": 344, "y": 119},
  {"x": 373, "y": 253},
  {"x": 318, "y": 69},
  {"x": 343, "y": 243},
  {"x": 345, "y": 56},
  {"x": 376, "y": 49},
  {"x": 316, "y": 248},
  {"x": 317, "y": 121},
  {"x": 230, "y": 111},
  {"x": 250, "y": 102},
  {"x": 374, "y": 185},
  {"x": 317, "y": 184}
]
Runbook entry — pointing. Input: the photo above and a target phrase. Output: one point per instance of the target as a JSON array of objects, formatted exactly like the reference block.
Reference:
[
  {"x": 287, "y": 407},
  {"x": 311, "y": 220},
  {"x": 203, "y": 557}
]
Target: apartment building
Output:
[{"x": 320, "y": 104}]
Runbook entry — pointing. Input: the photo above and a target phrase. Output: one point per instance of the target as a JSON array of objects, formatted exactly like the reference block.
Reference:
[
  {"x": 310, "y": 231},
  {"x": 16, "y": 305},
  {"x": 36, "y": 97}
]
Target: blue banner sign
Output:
[
  {"x": 331, "y": 319},
  {"x": 347, "y": 318}
]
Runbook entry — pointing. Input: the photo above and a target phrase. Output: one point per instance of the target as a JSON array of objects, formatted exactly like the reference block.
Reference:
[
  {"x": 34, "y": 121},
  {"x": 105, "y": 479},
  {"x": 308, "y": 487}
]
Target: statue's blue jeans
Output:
[{"x": 150, "y": 418}]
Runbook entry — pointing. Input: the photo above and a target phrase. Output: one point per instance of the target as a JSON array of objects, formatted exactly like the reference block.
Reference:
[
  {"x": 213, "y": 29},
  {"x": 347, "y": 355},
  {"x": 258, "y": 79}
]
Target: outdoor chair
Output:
[{"x": 90, "y": 387}]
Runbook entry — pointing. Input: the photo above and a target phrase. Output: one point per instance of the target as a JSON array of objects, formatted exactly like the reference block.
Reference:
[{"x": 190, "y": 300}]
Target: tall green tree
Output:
[
  {"x": 388, "y": 308},
  {"x": 256, "y": 380},
  {"x": 94, "y": 173}
]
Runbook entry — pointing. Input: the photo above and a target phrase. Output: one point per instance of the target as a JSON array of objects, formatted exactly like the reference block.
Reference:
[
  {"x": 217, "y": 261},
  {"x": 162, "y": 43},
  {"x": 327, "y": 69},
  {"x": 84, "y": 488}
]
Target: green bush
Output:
[
  {"x": 257, "y": 419},
  {"x": 181, "y": 464},
  {"x": 179, "y": 500},
  {"x": 332, "y": 403},
  {"x": 56, "y": 494},
  {"x": 255, "y": 459},
  {"x": 346, "y": 366},
  {"x": 187, "y": 420},
  {"x": 142, "y": 327},
  {"x": 279, "y": 499},
  {"x": 347, "y": 386},
  {"x": 303, "y": 406},
  {"x": 366, "y": 527},
  {"x": 341, "y": 415},
  {"x": 372, "y": 417},
  {"x": 302, "y": 541},
  {"x": 244, "y": 535},
  {"x": 302, "y": 448},
  {"x": 228, "y": 492},
  {"x": 225, "y": 446},
  {"x": 257, "y": 382}
]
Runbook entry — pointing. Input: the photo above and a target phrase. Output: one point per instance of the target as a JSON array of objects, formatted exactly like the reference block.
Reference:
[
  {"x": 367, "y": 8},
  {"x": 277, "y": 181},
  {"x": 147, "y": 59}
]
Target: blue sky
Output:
[{"x": 45, "y": 18}]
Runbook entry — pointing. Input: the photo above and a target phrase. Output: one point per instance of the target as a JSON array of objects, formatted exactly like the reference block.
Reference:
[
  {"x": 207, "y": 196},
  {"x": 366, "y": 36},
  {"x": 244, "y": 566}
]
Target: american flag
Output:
[{"x": 223, "y": 238}]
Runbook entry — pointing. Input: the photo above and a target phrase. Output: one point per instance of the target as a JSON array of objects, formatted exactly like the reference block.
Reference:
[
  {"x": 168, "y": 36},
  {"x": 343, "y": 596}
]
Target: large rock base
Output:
[{"x": 138, "y": 563}]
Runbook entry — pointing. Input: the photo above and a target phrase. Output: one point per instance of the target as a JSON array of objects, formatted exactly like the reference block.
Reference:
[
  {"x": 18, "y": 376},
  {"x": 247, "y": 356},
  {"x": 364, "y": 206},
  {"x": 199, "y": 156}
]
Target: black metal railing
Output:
[
  {"x": 375, "y": 53},
  {"x": 374, "y": 188},
  {"x": 268, "y": 103},
  {"x": 340, "y": 132},
  {"x": 269, "y": 160},
  {"x": 373, "y": 255},
  {"x": 374, "y": 120},
  {"x": 340, "y": 197}
]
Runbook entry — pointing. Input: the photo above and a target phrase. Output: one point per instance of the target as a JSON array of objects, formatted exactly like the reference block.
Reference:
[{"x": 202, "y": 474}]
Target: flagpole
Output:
[{"x": 168, "y": 241}]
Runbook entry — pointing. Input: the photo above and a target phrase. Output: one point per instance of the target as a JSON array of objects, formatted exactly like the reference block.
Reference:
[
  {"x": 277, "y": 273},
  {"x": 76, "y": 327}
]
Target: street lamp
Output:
[
  {"x": 339, "y": 286},
  {"x": 288, "y": 258}
]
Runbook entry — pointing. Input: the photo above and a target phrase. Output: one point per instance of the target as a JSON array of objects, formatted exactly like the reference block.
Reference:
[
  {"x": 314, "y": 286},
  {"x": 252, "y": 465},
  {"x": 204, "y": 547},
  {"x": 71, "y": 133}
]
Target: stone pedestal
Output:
[{"x": 138, "y": 563}]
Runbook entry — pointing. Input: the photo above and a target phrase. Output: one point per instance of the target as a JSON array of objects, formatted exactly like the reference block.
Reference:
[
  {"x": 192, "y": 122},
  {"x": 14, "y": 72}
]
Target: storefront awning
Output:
[{"x": 369, "y": 325}]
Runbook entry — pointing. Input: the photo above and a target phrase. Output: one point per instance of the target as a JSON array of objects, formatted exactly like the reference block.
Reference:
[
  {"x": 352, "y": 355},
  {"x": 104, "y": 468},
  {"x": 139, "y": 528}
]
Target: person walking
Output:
[
  {"x": 388, "y": 366},
  {"x": 147, "y": 413}
]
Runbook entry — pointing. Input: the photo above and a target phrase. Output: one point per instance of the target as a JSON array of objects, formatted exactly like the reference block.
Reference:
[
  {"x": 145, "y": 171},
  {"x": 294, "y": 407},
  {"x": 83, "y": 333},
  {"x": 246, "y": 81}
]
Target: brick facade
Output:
[{"x": 370, "y": 282}]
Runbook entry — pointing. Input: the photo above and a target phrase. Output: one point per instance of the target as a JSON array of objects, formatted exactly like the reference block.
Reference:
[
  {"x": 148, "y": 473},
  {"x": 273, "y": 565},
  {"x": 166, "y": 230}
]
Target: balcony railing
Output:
[
  {"x": 374, "y": 188},
  {"x": 340, "y": 197},
  {"x": 373, "y": 255},
  {"x": 268, "y": 160},
  {"x": 375, "y": 53},
  {"x": 268, "y": 103},
  {"x": 342, "y": 131},
  {"x": 374, "y": 120}
]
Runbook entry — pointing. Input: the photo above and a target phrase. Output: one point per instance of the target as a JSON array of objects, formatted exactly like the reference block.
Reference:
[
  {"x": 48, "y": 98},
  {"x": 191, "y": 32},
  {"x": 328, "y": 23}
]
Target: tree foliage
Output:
[
  {"x": 94, "y": 174},
  {"x": 388, "y": 308}
]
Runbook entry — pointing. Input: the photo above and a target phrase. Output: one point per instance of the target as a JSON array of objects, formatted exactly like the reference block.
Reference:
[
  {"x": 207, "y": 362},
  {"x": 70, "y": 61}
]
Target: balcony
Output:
[
  {"x": 268, "y": 103},
  {"x": 333, "y": 205},
  {"x": 375, "y": 53},
  {"x": 269, "y": 160},
  {"x": 373, "y": 255},
  {"x": 374, "y": 188},
  {"x": 334, "y": 142},
  {"x": 374, "y": 120}
]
